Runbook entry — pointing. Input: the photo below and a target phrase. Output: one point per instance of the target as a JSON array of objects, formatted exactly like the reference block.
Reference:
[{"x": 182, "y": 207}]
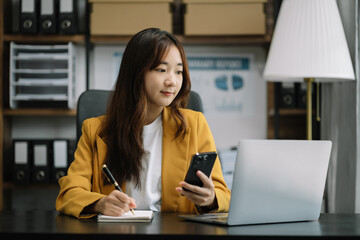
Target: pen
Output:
[{"x": 112, "y": 180}]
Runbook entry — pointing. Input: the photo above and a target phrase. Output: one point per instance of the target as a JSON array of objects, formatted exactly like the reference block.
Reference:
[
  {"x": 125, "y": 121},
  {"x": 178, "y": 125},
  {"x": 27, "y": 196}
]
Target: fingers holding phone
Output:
[
  {"x": 198, "y": 185},
  {"x": 200, "y": 196}
]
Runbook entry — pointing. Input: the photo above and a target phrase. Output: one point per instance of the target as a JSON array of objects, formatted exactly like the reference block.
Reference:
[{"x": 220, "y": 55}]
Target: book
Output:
[{"x": 140, "y": 216}]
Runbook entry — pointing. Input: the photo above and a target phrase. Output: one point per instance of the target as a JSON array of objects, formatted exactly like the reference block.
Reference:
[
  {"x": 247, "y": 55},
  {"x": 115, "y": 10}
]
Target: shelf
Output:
[
  {"x": 43, "y": 38},
  {"x": 41, "y": 71},
  {"x": 289, "y": 112},
  {"x": 40, "y": 112},
  {"x": 46, "y": 186},
  {"x": 45, "y": 82},
  {"x": 40, "y": 97},
  {"x": 191, "y": 39},
  {"x": 225, "y": 39},
  {"x": 266, "y": 39}
]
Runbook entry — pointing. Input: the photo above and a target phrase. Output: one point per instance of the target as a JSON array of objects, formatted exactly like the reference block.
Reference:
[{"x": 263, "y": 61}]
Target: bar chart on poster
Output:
[{"x": 233, "y": 93}]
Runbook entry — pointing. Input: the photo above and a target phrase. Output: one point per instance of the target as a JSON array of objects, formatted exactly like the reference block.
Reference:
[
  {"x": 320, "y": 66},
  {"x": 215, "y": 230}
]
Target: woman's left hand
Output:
[{"x": 201, "y": 196}]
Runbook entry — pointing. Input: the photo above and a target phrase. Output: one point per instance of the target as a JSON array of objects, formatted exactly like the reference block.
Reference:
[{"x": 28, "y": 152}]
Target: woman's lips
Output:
[{"x": 167, "y": 93}]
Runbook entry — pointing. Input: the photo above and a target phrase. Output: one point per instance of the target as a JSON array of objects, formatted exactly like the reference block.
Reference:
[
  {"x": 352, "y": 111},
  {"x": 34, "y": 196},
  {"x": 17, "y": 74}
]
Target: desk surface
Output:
[{"x": 50, "y": 224}]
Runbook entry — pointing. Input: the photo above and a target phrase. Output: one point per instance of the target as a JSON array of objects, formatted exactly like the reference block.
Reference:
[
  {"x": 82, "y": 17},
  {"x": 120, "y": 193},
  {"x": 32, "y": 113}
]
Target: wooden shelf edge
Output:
[
  {"x": 39, "y": 112},
  {"x": 11, "y": 185},
  {"x": 288, "y": 112},
  {"x": 256, "y": 39},
  {"x": 79, "y": 38},
  {"x": 249, "y": 39}
]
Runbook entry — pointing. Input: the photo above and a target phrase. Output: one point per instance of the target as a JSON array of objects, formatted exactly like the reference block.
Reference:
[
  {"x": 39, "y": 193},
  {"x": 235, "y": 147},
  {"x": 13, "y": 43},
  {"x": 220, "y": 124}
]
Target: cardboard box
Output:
[
  {"x": 224, "y": 17},
  {"x": 127, "y": 17}
]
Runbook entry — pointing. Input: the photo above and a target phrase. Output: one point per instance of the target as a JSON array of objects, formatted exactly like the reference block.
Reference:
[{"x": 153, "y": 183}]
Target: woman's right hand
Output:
[{"x": 115, "y": 204}]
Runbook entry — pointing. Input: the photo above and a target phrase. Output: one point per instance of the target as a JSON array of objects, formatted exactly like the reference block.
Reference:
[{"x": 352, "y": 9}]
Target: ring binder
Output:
[
  {"x": 287, "y": 95},
  {"x": 60, "y": 160},
  {"x": 67, "y": 17},
  {"x": 28, "y": 16},
  {"x": 21, "y": 171},
  {"x": 47, "y": 16},
  {"x": 15, "y": 16},
  {"x": 41, "y": 157}
]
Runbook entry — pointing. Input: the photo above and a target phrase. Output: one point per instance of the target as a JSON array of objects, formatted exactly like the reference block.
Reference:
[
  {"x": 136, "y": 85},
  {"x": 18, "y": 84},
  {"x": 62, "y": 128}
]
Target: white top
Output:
[{"x": 149, "y": 196}]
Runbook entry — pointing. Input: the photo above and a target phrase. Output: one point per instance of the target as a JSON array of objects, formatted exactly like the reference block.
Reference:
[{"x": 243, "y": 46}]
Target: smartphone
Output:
[{"x": 203, "y": 162}]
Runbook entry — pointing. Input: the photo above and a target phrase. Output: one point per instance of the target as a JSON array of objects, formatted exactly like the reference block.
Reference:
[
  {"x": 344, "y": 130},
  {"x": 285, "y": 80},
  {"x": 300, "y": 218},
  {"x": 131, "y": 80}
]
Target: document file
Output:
[
  {"x": 28, "y": 16},
  {"x": 47, "y": 16},
  {"x": 60, "y": 150},
  {"x": 40, "y": 162},
  {"x": 21, "y": 172},
  {"x": 67, "y": 17}
]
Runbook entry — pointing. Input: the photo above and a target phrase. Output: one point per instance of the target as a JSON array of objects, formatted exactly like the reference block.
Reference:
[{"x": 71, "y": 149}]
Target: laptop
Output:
[{"x": 275, "y": 181}]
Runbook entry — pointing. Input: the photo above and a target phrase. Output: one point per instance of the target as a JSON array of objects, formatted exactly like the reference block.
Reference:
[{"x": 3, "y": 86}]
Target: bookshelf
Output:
[{"x": 5, "y": 112}]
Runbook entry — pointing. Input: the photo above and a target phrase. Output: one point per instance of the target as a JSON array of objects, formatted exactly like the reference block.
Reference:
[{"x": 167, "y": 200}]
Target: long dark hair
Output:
[{"x": 125, "y": 118}]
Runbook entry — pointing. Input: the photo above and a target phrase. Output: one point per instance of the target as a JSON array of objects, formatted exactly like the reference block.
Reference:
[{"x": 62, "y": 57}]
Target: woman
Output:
[{"x": 146, "y": 139}]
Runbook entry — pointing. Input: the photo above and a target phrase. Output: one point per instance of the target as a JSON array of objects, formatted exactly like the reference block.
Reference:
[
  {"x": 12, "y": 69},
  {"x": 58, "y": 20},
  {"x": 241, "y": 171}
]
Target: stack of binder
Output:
[
  {"x": 45, "y": 16},
  {"x": 292, "y": 95},
  {"x": 41, "y": 161}
]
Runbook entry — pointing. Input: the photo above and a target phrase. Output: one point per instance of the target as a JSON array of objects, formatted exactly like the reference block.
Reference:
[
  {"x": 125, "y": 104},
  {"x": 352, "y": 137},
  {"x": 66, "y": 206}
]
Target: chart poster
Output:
[
  {"x": 233, "y": 94},
  {"x": 224, "y": 84}
]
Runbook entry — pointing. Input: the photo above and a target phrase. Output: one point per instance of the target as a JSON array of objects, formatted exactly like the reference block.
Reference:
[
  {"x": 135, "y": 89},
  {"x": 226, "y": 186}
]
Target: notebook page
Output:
[{"x": 140, "y": 216}]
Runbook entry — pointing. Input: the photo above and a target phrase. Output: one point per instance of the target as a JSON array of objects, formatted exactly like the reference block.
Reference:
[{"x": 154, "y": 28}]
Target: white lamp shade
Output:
[{"x": 309, "y": 42}]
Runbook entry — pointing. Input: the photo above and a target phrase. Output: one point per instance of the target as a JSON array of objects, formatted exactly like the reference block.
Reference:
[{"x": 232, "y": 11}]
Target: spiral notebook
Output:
[{"x": 140, "y": 216}]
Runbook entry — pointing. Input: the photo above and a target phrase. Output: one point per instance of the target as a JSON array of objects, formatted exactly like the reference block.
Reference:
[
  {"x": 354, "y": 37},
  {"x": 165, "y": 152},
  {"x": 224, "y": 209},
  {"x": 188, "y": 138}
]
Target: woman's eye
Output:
[
  {"x": 179, "y": 72},
  {"x": 160, "y": 70}
]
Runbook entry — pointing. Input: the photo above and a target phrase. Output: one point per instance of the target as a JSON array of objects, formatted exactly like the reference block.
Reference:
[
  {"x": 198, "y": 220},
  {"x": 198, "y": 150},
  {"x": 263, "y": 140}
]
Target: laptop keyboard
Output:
[{"x": 215, "y": 216}]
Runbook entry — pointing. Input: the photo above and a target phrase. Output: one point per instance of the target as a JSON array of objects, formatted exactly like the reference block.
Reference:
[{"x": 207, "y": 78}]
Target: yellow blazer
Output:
[{"x": 83, "y": 184}]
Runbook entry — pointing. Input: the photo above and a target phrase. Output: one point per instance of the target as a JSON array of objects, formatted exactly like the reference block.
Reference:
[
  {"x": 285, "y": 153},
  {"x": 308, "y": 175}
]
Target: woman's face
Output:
[{"x": 163, "y": 83}]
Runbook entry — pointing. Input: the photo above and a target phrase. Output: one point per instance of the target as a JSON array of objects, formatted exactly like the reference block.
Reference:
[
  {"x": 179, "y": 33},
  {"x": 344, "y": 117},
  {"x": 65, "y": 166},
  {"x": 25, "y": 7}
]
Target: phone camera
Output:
[{"x": 197, "y": 163}]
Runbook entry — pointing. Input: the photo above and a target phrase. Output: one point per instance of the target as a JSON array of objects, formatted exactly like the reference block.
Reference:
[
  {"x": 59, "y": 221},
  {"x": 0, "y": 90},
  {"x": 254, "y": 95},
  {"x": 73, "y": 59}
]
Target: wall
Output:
[
  {"x": 228, "y": 125},
  {"x": 339, "y": 123}
]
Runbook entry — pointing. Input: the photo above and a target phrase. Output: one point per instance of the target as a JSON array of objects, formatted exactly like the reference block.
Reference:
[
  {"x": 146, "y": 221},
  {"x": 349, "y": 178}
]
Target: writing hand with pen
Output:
[{"x": 116, "y": 203}]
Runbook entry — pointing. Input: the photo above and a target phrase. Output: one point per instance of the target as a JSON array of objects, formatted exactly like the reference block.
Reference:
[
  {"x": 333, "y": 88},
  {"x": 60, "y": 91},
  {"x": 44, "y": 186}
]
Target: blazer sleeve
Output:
[
  {"x": 206, "y": 143},
  {"x": 75, "y": 188}
]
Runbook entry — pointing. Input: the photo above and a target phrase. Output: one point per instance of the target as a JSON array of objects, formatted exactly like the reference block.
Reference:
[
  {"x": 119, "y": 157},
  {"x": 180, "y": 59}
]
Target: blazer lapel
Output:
[
  {"x": 100, "y": 154},
  {"x": 101, "y": 149},
  {"x": 174, "y": 162}
]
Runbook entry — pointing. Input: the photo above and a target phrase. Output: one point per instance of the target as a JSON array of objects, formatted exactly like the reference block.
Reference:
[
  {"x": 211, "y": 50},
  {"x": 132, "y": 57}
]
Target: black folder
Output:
[
  {"x": 41, "y": 154},
  {"x": 28, "y": 16},
  {"x": 67, "y": 17},
  {"x": 21, "y": 169},
  {"x": 287, "y": 95},
  {"x": 301, "y": 95},
  {"x": 60, "y": 159},
  {"x": 15, "y": 16},
  {"x": 47, "y": 23}
]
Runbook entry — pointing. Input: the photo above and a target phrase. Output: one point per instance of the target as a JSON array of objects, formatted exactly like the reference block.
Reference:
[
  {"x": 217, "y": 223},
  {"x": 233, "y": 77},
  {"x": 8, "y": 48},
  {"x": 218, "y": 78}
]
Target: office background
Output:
[
  {"x": 340, "y": 114},
  {"x": 339, "y": 109}
]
